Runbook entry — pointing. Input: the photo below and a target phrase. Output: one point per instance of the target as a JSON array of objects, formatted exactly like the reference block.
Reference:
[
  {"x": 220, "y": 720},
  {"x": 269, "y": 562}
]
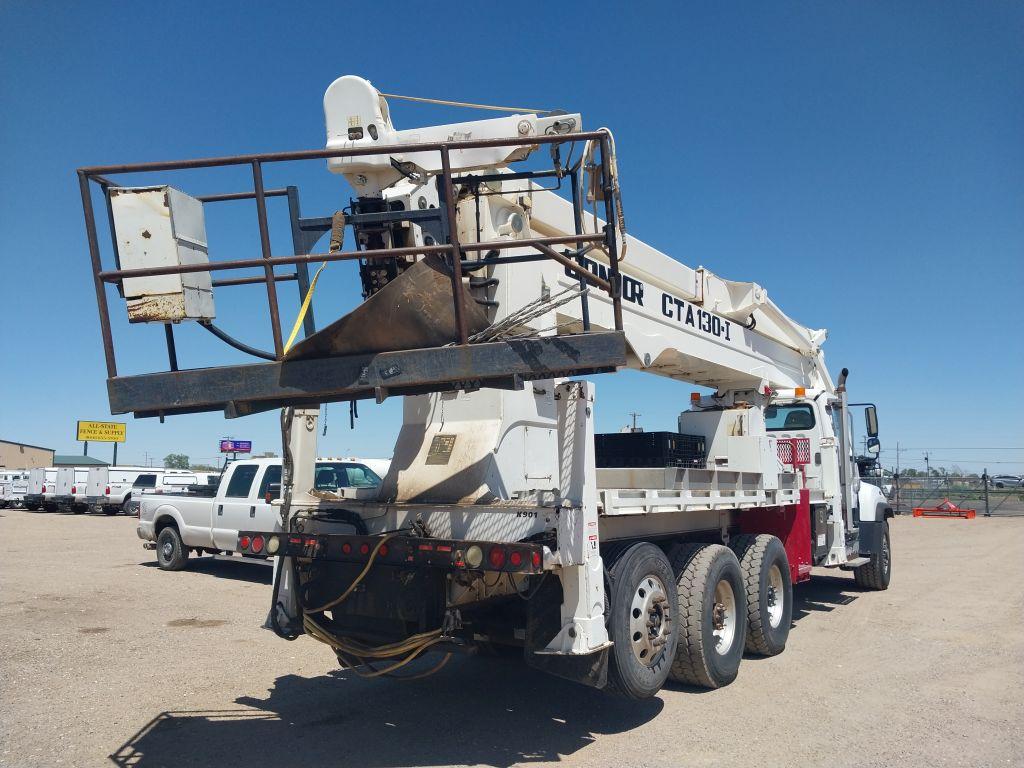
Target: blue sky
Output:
[{"x": 863, "y": 161}]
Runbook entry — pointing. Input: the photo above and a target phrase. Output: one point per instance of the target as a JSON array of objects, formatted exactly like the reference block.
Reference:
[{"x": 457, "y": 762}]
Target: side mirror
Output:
[
  {"x": 874, "y": 447},
  {"x": 871, "y": 421}
]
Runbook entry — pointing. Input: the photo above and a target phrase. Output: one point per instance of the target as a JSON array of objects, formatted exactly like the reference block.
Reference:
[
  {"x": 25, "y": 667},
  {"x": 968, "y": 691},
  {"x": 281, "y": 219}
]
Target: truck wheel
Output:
[
  {"x": 712, "y": 614},
  {"x": 769, "y": 589},
  {"x": 876, "y": 574},
  {"x": 171, "y": 554},
  {"x": 642, "y": 622},
  {"x": 50, "y": 507}
]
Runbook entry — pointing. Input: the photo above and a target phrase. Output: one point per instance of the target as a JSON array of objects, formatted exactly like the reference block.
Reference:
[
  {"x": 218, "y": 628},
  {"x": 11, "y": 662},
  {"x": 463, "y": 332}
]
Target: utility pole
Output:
[
  {"x": 927, "y": 466},
  {"x": 634, "y": 415}
]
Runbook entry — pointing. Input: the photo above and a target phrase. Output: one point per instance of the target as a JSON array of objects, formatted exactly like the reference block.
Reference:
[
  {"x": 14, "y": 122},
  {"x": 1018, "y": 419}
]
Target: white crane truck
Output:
[{"x": 618, "y": 561}]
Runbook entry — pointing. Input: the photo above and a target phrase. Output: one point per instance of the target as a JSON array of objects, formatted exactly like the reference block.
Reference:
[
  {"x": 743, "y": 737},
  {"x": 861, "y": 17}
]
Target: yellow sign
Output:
[{"x": 101, "y": 431}]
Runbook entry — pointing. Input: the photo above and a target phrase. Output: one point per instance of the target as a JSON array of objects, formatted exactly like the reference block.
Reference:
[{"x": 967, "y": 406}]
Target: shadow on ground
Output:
[
  {"x": 495, "y": 712},
  {"x": 476, "y": 711},
  {"x": 253, "y": 573},
  {"x": 823, "y": 593}
]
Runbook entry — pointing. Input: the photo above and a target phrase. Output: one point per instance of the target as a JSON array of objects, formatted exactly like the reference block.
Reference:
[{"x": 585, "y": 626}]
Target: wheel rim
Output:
[
  {"x": 723, "y": 617},
  {"x": 776, "y": 596},
  {"x": 650, "y": 620},
  {"x": 167, "y": 550},
  {"x": 885, "y": 554}
]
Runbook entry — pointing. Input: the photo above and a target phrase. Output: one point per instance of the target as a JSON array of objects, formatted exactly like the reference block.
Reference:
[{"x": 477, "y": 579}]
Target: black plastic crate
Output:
[{"x": 650, "y": 449}]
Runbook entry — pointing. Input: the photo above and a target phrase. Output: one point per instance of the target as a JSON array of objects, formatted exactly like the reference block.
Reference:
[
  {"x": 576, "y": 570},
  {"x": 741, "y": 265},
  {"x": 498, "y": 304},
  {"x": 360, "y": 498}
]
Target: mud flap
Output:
[{"x": 543, "y": 622}]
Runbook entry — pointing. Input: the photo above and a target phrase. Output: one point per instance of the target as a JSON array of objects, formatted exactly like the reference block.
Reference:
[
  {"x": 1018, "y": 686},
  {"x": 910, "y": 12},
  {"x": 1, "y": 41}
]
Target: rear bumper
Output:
[
  {"x": 33, "y": 498},
  {"x": 145, "y": 531},
  {"x": 402, "y": 551}
]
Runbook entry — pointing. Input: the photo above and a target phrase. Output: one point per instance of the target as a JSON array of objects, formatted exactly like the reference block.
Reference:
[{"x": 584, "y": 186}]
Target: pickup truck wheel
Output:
[
  {"x": 876, "y": 574},
  {"x": 642, "y": 625},
  {"x": 712, "y": 610},
  {"x": 769, "y": 589},
  {"x": 171, "y": 554}
]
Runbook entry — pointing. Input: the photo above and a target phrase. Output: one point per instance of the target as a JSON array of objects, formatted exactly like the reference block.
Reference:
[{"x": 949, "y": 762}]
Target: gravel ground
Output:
[{"x": 105, "y": 660}]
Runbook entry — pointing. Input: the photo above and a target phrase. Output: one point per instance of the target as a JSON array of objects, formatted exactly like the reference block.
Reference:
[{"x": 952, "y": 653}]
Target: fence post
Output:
[
  {"x": 984, "y": 479},
  {"x": 896, "y": 483}
]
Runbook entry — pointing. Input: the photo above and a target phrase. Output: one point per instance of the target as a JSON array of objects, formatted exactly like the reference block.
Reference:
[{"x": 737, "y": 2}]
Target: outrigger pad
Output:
[{"x": 413, "y": 311}]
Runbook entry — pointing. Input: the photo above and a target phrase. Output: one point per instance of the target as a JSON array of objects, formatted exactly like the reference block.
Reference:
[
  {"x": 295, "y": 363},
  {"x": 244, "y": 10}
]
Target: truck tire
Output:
[
  {"x": 712, "y": 614},
  {"x": 50, "y": 507},
  {"x": 171, "y": 554},
  {"x": 876, "y": 574},
  {"x": 642, "y": 623},
  {"x": 769, "y": 589}
]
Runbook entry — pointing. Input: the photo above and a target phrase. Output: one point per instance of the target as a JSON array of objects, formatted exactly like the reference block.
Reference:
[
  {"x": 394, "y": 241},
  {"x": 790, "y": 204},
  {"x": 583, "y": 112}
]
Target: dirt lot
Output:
[{"x": 105, "y": 660}]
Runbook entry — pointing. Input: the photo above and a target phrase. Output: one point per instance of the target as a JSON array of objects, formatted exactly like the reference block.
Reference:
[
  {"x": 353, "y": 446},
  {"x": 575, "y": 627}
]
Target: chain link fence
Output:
[{"x": 966, "y": 491}]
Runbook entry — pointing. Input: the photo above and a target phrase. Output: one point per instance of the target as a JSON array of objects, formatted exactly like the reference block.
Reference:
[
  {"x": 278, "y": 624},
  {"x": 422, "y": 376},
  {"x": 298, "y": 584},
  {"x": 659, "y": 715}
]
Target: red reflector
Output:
[
  {"x": 496, "y": 557},
  {"x": 257, "y": 544},
  {"x": 295, "y": 540},
  {"x": 383, "y": 551},
  {"x": 364, "y": 548},
  {"x": 244, "y": 542},
  {"x": 426, "y": 547},
  {"x": 515, "y": 559},
  {"x": 444, "y": 548},
  {"x": 346, "y": 548},
  {"x": 538, "y": 561}
]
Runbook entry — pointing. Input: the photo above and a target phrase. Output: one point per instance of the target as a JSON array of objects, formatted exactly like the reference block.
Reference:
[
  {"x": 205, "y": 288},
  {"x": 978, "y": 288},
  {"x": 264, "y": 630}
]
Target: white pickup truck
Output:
[{"x": 177, "y": 525}]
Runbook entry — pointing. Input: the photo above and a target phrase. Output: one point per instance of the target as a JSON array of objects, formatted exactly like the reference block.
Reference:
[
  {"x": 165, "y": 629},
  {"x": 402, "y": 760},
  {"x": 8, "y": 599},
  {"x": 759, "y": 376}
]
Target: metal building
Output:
[{"x": 23, "y": 456}]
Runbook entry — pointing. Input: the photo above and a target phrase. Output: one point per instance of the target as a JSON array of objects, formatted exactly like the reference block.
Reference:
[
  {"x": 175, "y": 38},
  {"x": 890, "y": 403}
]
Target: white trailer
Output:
[{"x": 502, "y": 519}]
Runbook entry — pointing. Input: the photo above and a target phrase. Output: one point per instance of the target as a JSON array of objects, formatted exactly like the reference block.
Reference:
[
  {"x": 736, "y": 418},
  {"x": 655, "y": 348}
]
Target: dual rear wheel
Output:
[{"x": 690, "y": 614}]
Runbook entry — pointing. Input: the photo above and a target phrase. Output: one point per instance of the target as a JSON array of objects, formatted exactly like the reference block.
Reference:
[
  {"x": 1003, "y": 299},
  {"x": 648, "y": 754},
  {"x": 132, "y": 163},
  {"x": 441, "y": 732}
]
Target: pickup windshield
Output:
[{"x": 330, "y": 476}]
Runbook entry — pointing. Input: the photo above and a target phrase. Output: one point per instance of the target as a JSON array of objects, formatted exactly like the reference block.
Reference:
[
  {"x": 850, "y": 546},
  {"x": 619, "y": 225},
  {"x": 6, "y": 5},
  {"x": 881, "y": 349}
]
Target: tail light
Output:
[
  {"x": 244, "y": 542},
  {"x": 496, "y": 557},
  {"x": 74, "y": 489},
  {"x": 257, "y": 544},
  {"x": 515, "y": 559},
  {"x": 107, "y": 492}
]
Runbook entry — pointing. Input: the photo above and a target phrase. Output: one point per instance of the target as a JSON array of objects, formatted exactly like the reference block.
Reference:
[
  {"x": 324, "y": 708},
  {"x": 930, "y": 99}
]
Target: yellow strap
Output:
[{"x": 303, "y": 309}]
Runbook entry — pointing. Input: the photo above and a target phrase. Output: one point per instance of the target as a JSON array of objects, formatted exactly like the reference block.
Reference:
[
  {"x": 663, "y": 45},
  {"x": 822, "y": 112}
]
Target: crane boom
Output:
[{"x": 692, "y": 325}]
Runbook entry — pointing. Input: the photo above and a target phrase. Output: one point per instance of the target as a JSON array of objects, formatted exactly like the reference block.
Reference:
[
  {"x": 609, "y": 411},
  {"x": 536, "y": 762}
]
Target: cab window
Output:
[
  {"x": 145, "y": 481},
  {"x": 241, "y": 481},
  {"x": 781, "y": 418},
  {"x": 270, "y": 477}
]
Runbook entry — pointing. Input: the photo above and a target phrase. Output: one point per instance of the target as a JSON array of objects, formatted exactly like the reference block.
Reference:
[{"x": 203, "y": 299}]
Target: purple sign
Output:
[{"x": 236, "y": 446}]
